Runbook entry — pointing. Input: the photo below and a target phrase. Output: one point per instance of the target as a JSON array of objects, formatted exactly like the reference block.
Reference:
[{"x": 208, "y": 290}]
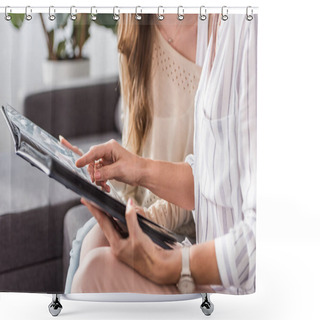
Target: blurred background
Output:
[
  {"x": 29, "y": 65},
  {"x": 62, "y": 74}
]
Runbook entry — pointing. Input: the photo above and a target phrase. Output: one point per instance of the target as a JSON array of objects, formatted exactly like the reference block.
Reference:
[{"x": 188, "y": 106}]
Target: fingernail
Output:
[
  {"x": 97, "y": 175},
  {"x": 129, "y": 205},
  {"x": 60, "y": 137}
]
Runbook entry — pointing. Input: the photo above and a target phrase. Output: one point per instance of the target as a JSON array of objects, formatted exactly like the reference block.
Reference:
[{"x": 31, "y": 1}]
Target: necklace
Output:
[{"x": 172, "y": 38}]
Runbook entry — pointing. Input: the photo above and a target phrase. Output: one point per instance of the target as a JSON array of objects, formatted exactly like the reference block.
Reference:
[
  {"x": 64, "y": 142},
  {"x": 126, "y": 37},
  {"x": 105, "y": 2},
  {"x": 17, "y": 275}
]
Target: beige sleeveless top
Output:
[{"x": 174, "y": 82}]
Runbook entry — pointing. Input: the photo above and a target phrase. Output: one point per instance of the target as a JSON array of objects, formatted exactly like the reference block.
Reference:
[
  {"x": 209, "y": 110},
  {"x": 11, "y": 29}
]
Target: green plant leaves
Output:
[
  {"x": 106, "y": 20},
  {"x": 80, "y": 32},
  {"x": 17, "y": 19},
  {"x": 61, "y": 50},
  {"x": 62, "y": 20}
]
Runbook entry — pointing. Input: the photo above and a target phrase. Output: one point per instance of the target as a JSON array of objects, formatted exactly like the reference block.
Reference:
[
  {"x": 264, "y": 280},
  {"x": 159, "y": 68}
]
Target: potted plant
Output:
[{"x": 65, "y": 39}]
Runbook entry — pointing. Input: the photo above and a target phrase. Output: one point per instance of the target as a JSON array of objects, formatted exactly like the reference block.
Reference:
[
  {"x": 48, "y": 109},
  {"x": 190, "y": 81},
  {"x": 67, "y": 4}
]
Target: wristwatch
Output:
[{"x": 186, "y": 282}]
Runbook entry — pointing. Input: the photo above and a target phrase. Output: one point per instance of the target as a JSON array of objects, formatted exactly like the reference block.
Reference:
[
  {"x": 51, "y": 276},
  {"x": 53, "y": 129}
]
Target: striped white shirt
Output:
[{"x": 224, "y": 160}]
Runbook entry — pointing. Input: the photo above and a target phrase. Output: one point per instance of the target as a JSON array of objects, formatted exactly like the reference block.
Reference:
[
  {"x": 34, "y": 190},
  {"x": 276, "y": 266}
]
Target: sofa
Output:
[{"x": 35, "y": 233}]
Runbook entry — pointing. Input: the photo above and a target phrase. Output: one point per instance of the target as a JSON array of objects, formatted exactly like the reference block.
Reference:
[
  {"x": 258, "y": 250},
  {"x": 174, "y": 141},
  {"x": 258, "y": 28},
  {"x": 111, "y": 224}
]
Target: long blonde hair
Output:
[{"x": 135, "y": 44}]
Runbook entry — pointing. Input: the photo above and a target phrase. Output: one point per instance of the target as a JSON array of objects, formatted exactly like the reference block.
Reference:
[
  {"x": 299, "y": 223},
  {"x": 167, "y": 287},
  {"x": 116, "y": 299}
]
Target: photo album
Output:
[{"x": 46, "y": 153}]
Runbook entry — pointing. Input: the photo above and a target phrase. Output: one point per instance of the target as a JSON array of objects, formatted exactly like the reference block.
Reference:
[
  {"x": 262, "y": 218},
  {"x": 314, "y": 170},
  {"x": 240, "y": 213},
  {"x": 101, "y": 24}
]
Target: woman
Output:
[
  {"x": 218, "y": 182},
  {"x": 158, "y": 89}
]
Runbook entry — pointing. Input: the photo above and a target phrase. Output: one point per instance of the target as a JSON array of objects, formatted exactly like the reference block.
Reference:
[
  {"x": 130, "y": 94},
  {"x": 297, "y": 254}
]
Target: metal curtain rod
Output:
[{"x": 111, "y": 10}]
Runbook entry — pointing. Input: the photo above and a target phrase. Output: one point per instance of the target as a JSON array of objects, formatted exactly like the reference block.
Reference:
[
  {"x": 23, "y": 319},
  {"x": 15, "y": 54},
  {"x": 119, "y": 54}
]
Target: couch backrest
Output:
[{"x": 76, "y": 111}]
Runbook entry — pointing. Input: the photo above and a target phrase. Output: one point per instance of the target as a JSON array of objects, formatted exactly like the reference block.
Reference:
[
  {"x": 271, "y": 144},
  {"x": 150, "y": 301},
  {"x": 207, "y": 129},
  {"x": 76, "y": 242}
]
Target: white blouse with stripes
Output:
[{"x": 224, "y": 160}]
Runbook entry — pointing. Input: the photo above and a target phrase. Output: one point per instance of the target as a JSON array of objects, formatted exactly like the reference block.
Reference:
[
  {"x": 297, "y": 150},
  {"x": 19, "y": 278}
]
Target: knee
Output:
[
  {"x": 92, "y": 270},
  {"x": 90, "y": 236},
  {"x": 94, "y": 239}
]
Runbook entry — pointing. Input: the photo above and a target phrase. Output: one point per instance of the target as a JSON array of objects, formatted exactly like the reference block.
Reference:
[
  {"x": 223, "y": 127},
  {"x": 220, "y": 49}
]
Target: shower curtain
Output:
[{"x": 176, "y": 89}]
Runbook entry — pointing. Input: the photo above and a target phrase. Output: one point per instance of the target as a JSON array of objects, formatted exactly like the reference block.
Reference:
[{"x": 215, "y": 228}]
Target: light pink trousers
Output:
[{"x": 100, "y": 271}]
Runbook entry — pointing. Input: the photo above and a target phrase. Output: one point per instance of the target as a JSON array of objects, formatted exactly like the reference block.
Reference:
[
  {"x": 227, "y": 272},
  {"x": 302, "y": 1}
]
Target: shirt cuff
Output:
[
  {"x": 225, "y": 253},
  {"x": 190, "y": 160}
]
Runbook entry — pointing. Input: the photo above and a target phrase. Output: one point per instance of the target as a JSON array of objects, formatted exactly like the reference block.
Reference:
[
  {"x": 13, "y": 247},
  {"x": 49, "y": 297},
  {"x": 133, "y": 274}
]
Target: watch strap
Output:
[{"x": 185, "y": 270}]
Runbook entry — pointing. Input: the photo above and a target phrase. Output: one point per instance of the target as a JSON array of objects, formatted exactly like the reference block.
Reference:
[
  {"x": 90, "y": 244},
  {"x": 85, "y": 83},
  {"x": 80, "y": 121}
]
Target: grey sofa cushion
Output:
[
  {"x": 75, "y": 111},
  {"x": 41, "y": 277}
]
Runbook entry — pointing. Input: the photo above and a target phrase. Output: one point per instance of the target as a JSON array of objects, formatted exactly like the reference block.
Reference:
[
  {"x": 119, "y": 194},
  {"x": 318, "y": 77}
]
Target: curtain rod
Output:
[{"x": 138, "y": 9}]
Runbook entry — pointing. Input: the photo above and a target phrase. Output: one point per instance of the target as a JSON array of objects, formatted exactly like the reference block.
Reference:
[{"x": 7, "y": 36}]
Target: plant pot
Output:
[{"x": 62, "y": 71}]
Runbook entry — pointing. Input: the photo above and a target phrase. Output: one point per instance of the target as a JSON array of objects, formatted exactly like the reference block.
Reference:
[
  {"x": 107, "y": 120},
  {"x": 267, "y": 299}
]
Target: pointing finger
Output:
[
  {"x": 95, "y": 153},
  {"x": 106, "y": 173}
]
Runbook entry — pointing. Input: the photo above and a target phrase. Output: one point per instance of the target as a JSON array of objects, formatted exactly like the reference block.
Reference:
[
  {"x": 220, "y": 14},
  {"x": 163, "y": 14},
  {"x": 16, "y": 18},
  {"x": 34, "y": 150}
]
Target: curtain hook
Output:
[
  {"x": 28, "y": 13},
  {"x": 52, "y": 15},
  {"x": 160, "y": 15},
  {"x": 6, "y": 14},
  {"x": 73, "y": 13},
  {"x": 203, "y": 13},
  {"x": 180, "y": 13},
  {"x": 138, "y": 16},
  {"x": 249, "y": 16},
  {"x": 116, "y": 16},
  {"x": 224, "y": 13},
  {"x": 93, "y": 15}
]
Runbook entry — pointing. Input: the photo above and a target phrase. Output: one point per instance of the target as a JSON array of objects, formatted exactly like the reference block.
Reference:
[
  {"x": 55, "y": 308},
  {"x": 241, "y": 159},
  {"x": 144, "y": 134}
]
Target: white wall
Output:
[{"x": 22, "y": 53}]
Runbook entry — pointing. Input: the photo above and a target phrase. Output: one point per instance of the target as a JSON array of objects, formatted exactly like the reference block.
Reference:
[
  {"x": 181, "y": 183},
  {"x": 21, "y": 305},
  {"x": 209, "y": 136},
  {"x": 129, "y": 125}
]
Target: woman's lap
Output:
[
  {"x": 94, "y": 239},
  {"x": 100, "y": 271}
]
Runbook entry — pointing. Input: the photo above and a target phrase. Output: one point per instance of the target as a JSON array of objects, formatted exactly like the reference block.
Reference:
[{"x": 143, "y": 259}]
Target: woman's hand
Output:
[
  {"x": 115, "y": 163},
  {"x": 170, "y": 181},
  {"x": 138, "y": 251},
  {"x": 91, "y": 168}
]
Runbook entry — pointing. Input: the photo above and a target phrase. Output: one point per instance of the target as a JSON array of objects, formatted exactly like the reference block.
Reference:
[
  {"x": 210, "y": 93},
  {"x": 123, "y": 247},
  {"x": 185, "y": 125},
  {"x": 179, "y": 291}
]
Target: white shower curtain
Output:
[{"x": 171, "y": 90}]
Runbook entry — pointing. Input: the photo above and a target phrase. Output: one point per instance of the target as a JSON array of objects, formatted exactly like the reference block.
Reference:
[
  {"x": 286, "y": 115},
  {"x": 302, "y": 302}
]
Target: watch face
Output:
[{"x": 186, "y": 284}]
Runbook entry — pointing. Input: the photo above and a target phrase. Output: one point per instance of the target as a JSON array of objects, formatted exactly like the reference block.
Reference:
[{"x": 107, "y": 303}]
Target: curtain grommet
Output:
[
  {"x": 73, "y": 13},
  {"x": 116, "y": 15},
  {"x": 93, "y": 14},
  {"x": 224, "y": 13},
  {"x": 52, "y": 15},
  {"x": 28, "y": 12},
  {"x": 249, "y": 16},
  {"x": 180, "y": 13},
  {"x": 203, "y": 13},
  {"x": 138, "y": 15},
  {"x": 6, "y": 13},
  {"x": 160, "y": 15}
]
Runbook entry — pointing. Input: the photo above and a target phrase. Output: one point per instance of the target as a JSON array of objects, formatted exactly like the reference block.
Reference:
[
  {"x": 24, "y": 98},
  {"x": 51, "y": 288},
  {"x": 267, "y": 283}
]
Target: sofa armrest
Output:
[{"x": 76, "y": 111}]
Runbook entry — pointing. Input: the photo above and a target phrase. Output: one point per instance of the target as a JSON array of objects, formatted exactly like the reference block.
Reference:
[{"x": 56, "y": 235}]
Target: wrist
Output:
[
  {"x": 144, "y": 172},
  {"x": 169, "y": 267}
]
